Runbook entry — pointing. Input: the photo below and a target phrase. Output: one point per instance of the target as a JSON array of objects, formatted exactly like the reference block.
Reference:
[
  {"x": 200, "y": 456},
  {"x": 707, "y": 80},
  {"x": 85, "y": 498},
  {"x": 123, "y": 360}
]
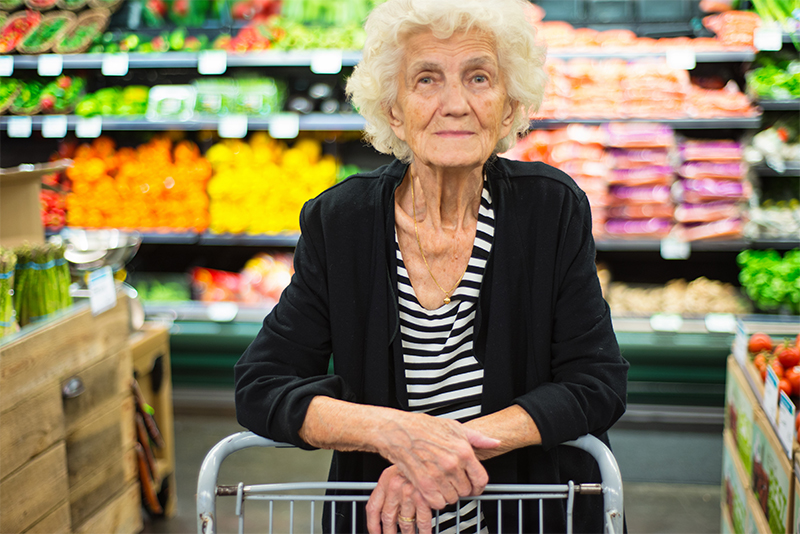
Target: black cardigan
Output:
[{"x": 542, "y": 330}]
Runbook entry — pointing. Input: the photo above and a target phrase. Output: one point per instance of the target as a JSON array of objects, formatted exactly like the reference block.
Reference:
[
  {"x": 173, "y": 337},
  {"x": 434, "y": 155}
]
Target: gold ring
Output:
[{"x": 406, "y": 519}]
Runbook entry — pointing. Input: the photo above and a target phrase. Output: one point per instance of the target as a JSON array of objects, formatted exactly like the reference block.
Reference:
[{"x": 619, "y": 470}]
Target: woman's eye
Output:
[
  {"x": 480, "y": 78},
  {"x": 426, "y": 80}
]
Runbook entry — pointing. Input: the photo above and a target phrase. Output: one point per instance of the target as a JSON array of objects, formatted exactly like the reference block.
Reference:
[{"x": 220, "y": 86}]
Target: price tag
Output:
[
  {"x": 89, "y": 128},
  {"x": 675, "y": 249},
  {"x": 786, "y": 414},
  {"x": 102, "y": 290},
  {"x": 20, "y": 127},
  {"x": 721, "y": 323},
  {"x": 768, "y": 38},
  {"x": 666, "y": 322},
  {"x": 50, "y": 65},
  {"x": 770, "y": 400},
  {"x": 115, "y": 64},
  {"x": 233, "y": 126},
  {"x": 681, "y": 58},
  {"x": 222, "y": 312},
  {"x": 6, "y": 65},
  {"x": 54, "y": 126},
  {"x": 740, "y": 343},
  {"x": 211, "y": 62},
  {"x": 284, "y": 125},
  {"x": 326, "y": 62}
]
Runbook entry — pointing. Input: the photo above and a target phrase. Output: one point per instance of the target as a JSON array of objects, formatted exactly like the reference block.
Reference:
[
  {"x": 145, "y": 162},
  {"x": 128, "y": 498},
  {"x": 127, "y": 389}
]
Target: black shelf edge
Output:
[
  {"x": 779, "y": 105},
  {"x": 792, "y": 169},
  {"x": 269, "y": 240},
  {"x": 748, "y": 123},
  {"x": 635, "y": 245}
]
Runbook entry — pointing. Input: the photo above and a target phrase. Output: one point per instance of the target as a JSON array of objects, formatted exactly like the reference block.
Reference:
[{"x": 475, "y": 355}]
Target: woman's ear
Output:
[
  {"x": 510, "y": 112},
  {"x": 396, "y": 120}
]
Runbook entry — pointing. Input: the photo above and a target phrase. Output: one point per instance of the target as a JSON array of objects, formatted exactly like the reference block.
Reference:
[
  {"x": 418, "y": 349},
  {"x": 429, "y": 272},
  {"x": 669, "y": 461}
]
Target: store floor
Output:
[{"x": 671, "y": 477}]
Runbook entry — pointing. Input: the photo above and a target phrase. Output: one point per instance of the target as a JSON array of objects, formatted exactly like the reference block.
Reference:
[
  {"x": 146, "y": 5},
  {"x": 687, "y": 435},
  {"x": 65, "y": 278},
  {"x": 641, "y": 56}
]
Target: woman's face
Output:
[{"x": 452, "y": 107}]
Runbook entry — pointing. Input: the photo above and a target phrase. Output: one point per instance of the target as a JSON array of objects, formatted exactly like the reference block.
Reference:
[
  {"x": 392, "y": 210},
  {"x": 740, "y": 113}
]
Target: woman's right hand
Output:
[{"x": 436, "y": 455}]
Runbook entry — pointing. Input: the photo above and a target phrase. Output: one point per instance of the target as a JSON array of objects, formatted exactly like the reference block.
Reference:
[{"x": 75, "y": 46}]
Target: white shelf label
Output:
[
  {"x": 115, "y": 64},
  {"x": 681, "y": 58},
  {"x": 721, "y": 323},
  {"x": 675, "y": 249},
  {"x": 740, "y": 343},
  {"x": 770, "y": 400},
  {"x": 233, "y": 126},
  {"x": 211, "y": 62},
  {"x": 222, "y": 312},
  {"x": 20, "y": 127},
  {"x": 326, "y": 62},
  {"x": 102, "y": 290},
  {"x": 666, "y": 322},
  {"x": 6, "y": 65},
  {"x": 50, "y": 65},
  {"x": 768, "y": 38},
  {"x": 284, "y": 125},
  {"x": 54, "y": 126},
  {"x": 786, "y": 414},
  {"x": 89, "y": 127}
]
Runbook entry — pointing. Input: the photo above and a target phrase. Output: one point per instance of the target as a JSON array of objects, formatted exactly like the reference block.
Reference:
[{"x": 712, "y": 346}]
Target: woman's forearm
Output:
[
  {"x": 512, "y": 426},
  {"x": 344, "y": 426}
]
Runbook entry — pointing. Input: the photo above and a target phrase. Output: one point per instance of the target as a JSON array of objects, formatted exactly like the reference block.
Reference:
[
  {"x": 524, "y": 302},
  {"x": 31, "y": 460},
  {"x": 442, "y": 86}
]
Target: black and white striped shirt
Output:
[{"x": 443, "y": 377}]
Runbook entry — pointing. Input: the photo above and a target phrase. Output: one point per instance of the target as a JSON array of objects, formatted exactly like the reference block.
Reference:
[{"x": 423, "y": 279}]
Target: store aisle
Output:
[{"x": 671, "y": 479}]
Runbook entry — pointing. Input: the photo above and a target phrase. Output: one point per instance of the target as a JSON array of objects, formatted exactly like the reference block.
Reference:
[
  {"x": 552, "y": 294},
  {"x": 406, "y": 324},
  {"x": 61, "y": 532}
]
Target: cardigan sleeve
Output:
[
  {"x": 586, "y": 390},
  {"x": 286, "y": 365}
]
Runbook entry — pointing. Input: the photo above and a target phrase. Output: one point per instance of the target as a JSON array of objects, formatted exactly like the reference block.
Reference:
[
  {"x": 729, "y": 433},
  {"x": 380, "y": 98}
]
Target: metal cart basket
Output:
[{"x": 309, "y": 494}]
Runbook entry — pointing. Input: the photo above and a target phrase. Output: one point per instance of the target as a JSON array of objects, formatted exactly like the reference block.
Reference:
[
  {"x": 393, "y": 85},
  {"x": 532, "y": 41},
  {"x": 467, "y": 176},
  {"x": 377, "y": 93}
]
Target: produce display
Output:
[
  {"x": 129, "y": 101},
  {"x": 47, "y": 33},
  {"x": 8, "y": 263},
  {"x": 775, "y": 79},
  {"x": 261, "y": 281},
  {"x": 259, "y": 186},
  {"x": 59, "y": 95},
  {"x": 613, "y": 89},
  {"x": 784, "y": 13},
  {"x": 772, "y": 282},
  {"x": 9, "y": 89},
  {"x": 88, "y": 26},
  {"x": 15, "y": 28},
  {"x": 698, "y": 297},
  {"x": 161, "y": 288},
  {"x": 41, "y": 282},
  {"x": 783, "y": 355},
  {"x": 249, "y": 96},
  {"x": 158, "y": 186},
  {"x": 53, "y": 203}
]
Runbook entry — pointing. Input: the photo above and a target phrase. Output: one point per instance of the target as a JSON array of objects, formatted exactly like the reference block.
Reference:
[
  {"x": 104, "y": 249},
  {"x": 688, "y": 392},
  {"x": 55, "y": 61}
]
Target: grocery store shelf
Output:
[
  {"x": 274, "y": 240},
  {"x": 711, "y": 56},
  {"x": 792, "y": 169},
  {"x": 678, "y": 124},
  {"x": 780, "y": 105},
  {"x": 638, "y": 245},
  {"x": 196, "y": 311}
]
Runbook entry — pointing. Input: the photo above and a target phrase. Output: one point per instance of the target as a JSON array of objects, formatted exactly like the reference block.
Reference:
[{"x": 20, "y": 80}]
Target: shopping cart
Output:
[{"x": 311, "y": 493}]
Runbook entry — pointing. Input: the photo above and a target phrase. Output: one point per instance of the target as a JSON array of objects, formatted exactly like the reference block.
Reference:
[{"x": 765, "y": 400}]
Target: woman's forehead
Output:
[{"x": 427, "y": 51}]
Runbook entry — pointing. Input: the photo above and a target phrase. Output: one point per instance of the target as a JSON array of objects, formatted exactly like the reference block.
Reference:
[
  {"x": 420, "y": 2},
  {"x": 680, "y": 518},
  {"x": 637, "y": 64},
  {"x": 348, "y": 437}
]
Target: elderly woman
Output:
[{"x": 456, "y": 291}]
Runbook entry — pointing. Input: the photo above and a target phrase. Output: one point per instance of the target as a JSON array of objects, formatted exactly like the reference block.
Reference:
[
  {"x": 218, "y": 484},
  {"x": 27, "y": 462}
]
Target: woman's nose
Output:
[{"x": 454, "y": 99}]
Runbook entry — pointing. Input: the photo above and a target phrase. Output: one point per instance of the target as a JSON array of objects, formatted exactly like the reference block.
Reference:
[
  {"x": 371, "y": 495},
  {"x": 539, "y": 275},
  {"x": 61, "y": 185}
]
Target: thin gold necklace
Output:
[{"x": 419, "y": 244}]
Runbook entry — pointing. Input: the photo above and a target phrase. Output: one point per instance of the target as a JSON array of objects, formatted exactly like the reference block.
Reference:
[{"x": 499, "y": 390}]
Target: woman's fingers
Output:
[{"x": 395, "y": 505}]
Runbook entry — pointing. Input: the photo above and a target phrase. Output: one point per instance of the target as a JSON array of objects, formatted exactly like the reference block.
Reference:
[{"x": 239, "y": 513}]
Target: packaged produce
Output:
[
  {"x": 697, "y": 170},
  {"x": 8, "y": 263},
  {"x": 41, "y": 282},
  {"x": 706, "y": 212},
  {"x": 62, "y": 94},
  {"x": 259, "y": 96},
  {"x": 171, "y": 102},
  {"x": 632, "y": 159},
  {"x": 264, "y": 278},
  {"x": 41, "y": 5},
  {"x": 775, "y": 146},
  {"x": 129, "y": 101},
  {"x": 698, "y": 297},
  {"x": 652, "y": 175},
  {"x": 716, "y": 150},
  {"x": 71, "y": 5},
  {"x": 771, "y": 281},
  {"x": 719, "y": 103},
  {"x": 638, "y": 135},
  {"x": 648, "y": 194},
  {"x": 9, "y": 90},
  {"x": 734, "y": 28},
  {"x": 48, "y": 32},
  {"x": 10, "y": 5},
  {"x": 89, "y": 24},
  {"x": 638, "y": 228},
  {"x": 216, "y": 96},
  {"x": 706, "y": 190},
  {"x": 642, "y": 211},
  {"x": 27, "y": 100},
  {"x": 730, "y": 228},
  {"x": 16, "y": 27}
]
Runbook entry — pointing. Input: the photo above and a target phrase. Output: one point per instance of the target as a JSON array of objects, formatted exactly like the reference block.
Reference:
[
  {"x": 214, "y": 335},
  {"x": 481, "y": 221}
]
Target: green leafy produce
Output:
[
  {"x": 62, "y": 94},
  {"x": 41, "y": 39},
  {"x": 128, "y": 101},
  {"x": 27, "y": 100},
  {"x": 10, "y": 5},
  {"x": 158, "y": 291},
  {"x": 88, "y": 27},
  {"x": 776, "y": 79},
  {"x": 771, "y": 281},
  {"x": 786, "y": 13},
  {"x": 9, "y": 88},
  {"x": 8, "y": 262}
]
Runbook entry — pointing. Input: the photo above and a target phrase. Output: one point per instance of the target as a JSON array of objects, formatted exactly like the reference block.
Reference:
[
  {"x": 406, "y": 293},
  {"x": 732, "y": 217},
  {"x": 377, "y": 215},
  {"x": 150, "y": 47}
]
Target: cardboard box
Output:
[
  {"x": 740, "y": 409},
  {"x": 735, "y": 486},
  {"x": 772, "y": 482},
  {"x": 20, "y": 208}
]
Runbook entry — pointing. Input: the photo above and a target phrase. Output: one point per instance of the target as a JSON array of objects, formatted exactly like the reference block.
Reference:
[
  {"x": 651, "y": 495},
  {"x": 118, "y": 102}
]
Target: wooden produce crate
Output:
[
  {"x": 735, "y": 486},
  {"x": 152, "y": 370},
  {"x": 66, "y": 411},
  {"x": 741, "y": 408},
  {"x": 772, "y": 484}
]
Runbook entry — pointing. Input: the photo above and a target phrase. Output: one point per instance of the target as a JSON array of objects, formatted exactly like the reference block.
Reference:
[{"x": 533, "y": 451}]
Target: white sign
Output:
[
  {"x": 721, "y": 323},
  {"x": 740, "y": 343},
  {"x": 768, "y": 38},
  {"x": 50, "y": 65},
  {"x": 675, "y": 249},
  {"x": 233, "y": 126},
  {"x": 6, "y": 65},
  {"x": 211, "y": 62},
  {"x": 222, "y": 312},
  {"x": 89, "y": 127},
  {"x": 20, "y": 127},
  {"x": 786, "y": 414},
  {"x": 115, "y": 64},
  {"x": 681, "y": 58},
  {"x": 770, "y": 400},
  {"x": 284, "y": 125},
  {"x": 326, "y": 62},
  {"x": 102, "y": 290},
  {"x": 54, "y": 126},
  {"x": 666, "y": 322}
]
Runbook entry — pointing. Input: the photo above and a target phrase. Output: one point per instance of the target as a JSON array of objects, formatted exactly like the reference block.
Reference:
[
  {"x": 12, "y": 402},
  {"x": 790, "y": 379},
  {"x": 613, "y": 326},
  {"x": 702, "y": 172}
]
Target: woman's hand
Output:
[
  {"x": 396, "y": 503},
  {"x": 437, "y": 456}
]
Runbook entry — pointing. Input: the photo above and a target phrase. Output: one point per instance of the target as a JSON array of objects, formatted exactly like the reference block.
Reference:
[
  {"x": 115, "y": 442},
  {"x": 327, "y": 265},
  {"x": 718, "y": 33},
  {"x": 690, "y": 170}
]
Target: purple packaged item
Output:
[
  {"x": 647, "y": 194},
  {"x": 707, "y": 211},
  {"x": 697, "y": 191},
  {"x": 707, "y": 169},
  {"x": 638, "y": 227},
  {"x": 721, "y": 150},
  {"x": 638, "y": 135},
  {"x": 653, "y": 175}
]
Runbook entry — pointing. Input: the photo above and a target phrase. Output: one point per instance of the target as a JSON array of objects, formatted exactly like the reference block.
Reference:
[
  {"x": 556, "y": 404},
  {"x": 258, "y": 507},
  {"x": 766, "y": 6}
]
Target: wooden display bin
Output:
[
  {"x": 772, "y": 485},
  {"x": 151, "y": 366},
  {"x": 66, "y": 413},
  {"x": 735, "y": 486},
  {"x": 740, "y": 409}
]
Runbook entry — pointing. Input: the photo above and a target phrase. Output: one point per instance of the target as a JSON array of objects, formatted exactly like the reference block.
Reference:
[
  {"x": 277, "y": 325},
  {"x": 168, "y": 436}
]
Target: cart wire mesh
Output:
[{"x": 304, "y": 497}]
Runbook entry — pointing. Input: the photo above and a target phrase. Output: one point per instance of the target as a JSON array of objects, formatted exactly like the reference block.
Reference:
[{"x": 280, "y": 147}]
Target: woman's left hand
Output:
[{"x": 396, "y": 503}]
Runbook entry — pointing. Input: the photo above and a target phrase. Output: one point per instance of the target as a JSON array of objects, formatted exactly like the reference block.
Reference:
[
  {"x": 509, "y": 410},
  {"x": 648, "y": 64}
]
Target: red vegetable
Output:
[
  {"x": 789, "y": 357},
  {"x": 759, "y": 342}
]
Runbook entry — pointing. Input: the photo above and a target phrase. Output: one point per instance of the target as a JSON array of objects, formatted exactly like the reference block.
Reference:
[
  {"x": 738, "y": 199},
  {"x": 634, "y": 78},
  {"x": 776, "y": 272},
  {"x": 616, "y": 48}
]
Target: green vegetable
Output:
[
  {"x": 8, "y": 262},
  {"x": 41, "y": 282},
  {"x": 772, "y": 282}
]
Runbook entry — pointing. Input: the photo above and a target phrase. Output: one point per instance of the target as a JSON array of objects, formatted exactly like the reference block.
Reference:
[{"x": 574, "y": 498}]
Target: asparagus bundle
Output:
[
  {"x": 8, "y": 262},
  {"x": 41, "y": 282}
]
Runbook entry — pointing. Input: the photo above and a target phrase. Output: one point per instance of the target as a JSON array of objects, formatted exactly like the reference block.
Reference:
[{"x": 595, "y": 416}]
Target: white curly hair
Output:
[{"x": 373, "y": 86}]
